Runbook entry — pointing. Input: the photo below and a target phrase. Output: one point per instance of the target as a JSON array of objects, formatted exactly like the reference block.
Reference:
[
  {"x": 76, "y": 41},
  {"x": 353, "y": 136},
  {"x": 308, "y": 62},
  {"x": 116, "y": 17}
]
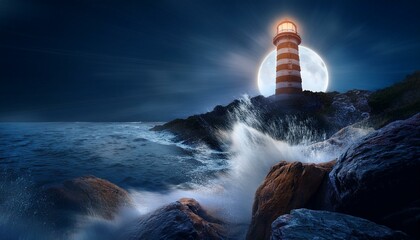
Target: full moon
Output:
[{"x": 314, "y": 72}]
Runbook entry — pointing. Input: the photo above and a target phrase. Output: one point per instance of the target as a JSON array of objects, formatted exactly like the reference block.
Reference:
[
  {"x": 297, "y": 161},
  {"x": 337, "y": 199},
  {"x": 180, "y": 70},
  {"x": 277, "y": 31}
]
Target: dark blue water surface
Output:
[{"x": 127, "y": 154}]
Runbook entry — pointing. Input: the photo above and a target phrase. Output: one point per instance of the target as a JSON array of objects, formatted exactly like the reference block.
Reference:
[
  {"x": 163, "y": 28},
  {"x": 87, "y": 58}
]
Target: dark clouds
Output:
[{"x": 157, "y": 60}]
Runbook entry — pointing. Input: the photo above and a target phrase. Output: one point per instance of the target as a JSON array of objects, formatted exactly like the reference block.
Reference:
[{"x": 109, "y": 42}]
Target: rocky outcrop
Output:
[
  {"x": 286, "y": 187},
  {"x": 183, "y": 219},
  {"x": 350, "y": 107},
  {"x": 89, "y": 194},
  {"x": 274, "y": 116},
  {"x": 311, "y": 224},
  {"x": 378, "y": 178},
  {"x": 320, "y": 113}
]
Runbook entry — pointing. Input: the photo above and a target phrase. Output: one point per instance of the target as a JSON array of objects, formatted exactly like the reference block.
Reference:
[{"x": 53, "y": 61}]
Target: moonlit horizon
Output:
[{"x": 314, "y": 72}]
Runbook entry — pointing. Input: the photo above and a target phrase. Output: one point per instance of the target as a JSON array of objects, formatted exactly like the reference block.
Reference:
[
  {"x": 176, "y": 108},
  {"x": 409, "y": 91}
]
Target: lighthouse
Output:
[{"x": 287, "y": 40}]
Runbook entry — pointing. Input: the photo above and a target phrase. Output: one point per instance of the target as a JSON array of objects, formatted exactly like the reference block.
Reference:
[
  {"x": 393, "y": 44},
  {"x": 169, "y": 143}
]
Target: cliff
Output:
[{"x": 319, "y": 115}]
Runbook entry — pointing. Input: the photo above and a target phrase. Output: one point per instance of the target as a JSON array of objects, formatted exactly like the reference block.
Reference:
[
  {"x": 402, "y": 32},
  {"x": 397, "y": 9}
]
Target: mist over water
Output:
[
  {"x": 251, "y": 155},
  {"x": 155, "y": 170}
]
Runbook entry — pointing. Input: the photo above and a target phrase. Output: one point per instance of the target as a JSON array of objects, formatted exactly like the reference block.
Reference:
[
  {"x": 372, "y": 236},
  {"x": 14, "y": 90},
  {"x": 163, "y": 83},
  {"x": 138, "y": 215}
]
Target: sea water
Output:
[
  {"x": 154, "y": 169},
  {"x": 127, "y": 154}
]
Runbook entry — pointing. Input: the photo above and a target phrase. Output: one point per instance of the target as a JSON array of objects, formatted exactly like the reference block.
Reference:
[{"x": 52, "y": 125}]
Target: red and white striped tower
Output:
[{"x": 287, "y": 40}]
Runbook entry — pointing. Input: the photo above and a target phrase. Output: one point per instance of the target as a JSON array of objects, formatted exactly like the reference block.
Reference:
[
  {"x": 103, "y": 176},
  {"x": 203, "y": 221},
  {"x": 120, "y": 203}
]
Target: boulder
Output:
[
  {"x": 378, "y": 177},
  {"x": 312, "y": 224},
  {"x": 183, "y": 219},
  {"x": 90, "y": 195},
  {"x": 286, "y": 187}
]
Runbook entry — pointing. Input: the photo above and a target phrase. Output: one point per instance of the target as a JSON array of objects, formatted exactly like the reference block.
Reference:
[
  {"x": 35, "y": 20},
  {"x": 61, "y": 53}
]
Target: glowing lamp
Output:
[{"x": 286, "y": 26}]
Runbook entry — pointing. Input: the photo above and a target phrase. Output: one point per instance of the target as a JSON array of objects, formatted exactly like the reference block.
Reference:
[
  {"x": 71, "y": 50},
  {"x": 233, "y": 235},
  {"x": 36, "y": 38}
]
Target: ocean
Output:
[
  {"x": 127, "y": 154},
  {"x": 154, "y": 169}
]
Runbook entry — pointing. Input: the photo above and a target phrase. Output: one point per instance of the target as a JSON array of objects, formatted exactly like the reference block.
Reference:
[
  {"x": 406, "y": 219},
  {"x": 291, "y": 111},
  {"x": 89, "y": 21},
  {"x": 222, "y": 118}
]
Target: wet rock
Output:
[
  {"x": 322, "y": 113},
  {"x": 340, "y": 140},
  {"x": 350, "y": 107},
  {"x": 378, "y": 178},
  {"x": 286, "y": 187},
  {"x": 183, "y": 219},
  {"x": 311, "y": 224},
  {"x": 90, "y": 195},
  {"x": 263, "y": 114}
]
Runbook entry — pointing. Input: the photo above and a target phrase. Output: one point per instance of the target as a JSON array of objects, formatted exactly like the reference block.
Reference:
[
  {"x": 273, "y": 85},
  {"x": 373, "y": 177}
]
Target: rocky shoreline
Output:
[
  {"x": 319, "y": 115},
  {"x": 370, "y": 192}
]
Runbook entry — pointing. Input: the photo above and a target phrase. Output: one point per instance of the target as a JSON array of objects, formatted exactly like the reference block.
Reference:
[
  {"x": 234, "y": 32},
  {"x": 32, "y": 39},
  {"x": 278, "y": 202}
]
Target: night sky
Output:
[{"x": 157, "y": 60}]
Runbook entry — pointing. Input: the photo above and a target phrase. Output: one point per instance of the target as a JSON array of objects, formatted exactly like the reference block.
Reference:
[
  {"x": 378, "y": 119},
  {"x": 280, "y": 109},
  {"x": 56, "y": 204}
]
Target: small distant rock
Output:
[
  {"x": 183, "y": 219},
  {"x": 286, "y": 187},
  {"x": 311, "y": 224},
  {"x": 89, "y": 194}
]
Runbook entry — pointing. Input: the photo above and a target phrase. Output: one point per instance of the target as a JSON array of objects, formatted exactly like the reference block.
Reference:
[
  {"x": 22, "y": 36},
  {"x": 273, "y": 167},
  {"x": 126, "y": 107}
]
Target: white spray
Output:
[{"x": 251, "y": 155}]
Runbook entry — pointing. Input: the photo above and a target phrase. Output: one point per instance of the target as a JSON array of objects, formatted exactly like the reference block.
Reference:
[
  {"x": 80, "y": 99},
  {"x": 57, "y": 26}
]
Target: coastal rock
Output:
[
  {"x": 286, "y": 187},
  {"x": 340, "y": 140},
  {"x": 378, "y": 178},
  {"x": 320, "y": 113},
  {"x": 311, "y": 224},
  {"x": 264, "y": 114},
  {"x": 89, "y": 194},
  {"x": 350, "y": 107},
  {"x": 183, "y": 219}
]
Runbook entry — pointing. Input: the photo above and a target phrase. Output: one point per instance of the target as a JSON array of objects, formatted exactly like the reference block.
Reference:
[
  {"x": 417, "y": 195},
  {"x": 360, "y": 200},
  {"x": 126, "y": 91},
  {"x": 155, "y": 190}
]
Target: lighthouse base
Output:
[
  {"x": 287, "y": 96},
  {"x": 288, "y": 90}
]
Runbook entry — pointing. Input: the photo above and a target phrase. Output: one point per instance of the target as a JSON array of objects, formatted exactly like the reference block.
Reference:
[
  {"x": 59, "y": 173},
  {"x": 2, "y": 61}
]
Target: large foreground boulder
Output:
[
  {"x": 183, "y": 219},
  {"x": 89, "y": 195},
  {"x": 379, "y": 177},
  {"x": 311, "y": 224},
  {"x": 286, "y": 187}
]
